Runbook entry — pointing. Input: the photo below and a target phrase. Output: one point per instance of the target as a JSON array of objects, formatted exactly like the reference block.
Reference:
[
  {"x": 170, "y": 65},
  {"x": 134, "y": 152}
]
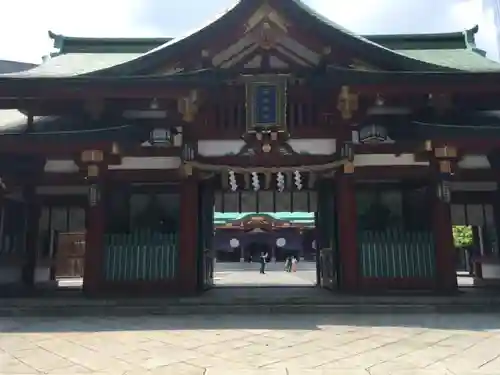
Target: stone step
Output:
[{"x": 211, "y": 309}]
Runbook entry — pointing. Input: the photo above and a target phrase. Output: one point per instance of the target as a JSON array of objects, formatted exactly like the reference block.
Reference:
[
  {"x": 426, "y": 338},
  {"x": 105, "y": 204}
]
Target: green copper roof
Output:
[
  {"x": 121, "y": 56},
  {"x": 68, "y": 44},
  {"x": 293, "y": 217},
  {"x": 462, "y": 59},
  {"x": 71, "y": 64}
]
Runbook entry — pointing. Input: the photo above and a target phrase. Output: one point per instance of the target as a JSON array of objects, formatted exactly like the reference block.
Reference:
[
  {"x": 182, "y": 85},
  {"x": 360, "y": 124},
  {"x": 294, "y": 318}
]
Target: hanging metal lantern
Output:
[
  {"x": 93, "y": 195},
  {"x": 373, "y": 134},
  {"x": 444, "y": 191}
]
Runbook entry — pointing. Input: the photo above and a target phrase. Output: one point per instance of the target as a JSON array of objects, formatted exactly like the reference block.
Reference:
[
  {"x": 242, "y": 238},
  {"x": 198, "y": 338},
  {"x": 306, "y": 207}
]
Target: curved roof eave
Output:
[
  {"x": 171, "y": 47},
  {"x": 296, "y": 9},
  {"x": 341, "y": 75},
  {"x": 361, "y": 44},
  {"x": 84, "y": 39},
  {"x": 458, "y": 35}
]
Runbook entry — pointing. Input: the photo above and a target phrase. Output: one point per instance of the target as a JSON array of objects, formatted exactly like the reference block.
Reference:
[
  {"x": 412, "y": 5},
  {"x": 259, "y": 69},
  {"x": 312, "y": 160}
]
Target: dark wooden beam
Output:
[
  {"x": 141, "y": 151},
  {"x": 394, "y": 172},
  {"x": 145, "y": 176},
  {"x": 462, "y": 174},
  {"x": 400, "y": 147},
  {"x": 271, "y": 160},
  {"x": 468, "y": 144},
  {"x": 51, "y": 148},
  {"x": 79, "y": 91},
  {"x": 406, "y": 89}
]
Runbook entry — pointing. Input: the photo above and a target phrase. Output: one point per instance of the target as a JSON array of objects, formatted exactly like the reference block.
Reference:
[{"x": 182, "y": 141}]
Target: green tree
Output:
[{"x": 462, "y": 235}]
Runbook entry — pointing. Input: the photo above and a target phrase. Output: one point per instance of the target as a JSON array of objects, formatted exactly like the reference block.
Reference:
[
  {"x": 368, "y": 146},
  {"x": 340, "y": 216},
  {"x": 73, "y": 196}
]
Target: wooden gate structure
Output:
[{"x": 269, "y": 97}]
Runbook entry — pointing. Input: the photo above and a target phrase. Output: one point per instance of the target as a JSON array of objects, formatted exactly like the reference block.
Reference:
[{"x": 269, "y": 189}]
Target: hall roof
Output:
[
  {"x": 112, "y": 57},
  {"x": 297, "y": 218}
]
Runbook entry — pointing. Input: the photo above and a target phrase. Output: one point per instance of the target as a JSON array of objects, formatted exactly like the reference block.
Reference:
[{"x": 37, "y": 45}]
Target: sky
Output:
[{"x": 24, "y": 23}]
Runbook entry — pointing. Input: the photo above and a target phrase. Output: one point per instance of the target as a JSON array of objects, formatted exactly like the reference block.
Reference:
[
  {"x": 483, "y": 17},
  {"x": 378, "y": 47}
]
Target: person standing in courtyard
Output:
[
  {"x": 263, "y": 260},
  {"x": 294, "y": 264},
  {"x": 288, "y": 264}
]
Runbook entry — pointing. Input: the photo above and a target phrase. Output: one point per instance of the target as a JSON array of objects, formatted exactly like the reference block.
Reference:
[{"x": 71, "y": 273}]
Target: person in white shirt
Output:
[{"x": 294, "y": 264}]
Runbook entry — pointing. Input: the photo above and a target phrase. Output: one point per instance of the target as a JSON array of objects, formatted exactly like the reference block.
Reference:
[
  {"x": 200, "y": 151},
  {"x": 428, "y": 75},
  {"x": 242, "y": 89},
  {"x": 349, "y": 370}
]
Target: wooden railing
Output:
[
  {"x": 141, "y": 256},
  {"x": 396, "y": 254}
]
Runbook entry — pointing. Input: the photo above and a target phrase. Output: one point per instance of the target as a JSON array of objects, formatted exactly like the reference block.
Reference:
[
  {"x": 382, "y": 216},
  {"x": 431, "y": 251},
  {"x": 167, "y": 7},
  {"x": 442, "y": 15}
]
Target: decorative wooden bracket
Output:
[
  {"x": 446, "y": 152},
  {"x": 92, "y": 159},
  {"x": 347, "y": 103},
  {"x": 189, "y": 106},
  {"x": 445, "y": 167},
  {"x": 267, "y": 26},
  {"x": 349, "y": 168},
  {"x": 266, "y": 141},
  {"x": 186, "y": 170}
]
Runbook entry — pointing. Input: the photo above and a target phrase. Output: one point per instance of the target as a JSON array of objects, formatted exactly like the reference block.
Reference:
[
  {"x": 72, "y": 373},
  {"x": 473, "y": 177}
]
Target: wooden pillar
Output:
[
  {"x": 347, "y": 231},
  {"x": 494, "y": 160},
  {"x": 94, "y": 240},
  {"x": 188, "y": 241},
  {"x": 32, "y": 212},
  {"x": 97, "y": 168},
  {"x": 496, "y": 211},
  {"x": 446, "y": 276}
]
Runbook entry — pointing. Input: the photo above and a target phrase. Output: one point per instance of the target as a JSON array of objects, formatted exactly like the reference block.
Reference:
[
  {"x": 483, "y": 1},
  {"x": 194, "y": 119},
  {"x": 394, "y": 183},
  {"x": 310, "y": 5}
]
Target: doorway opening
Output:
[
  {"x": 282, "y": 243},
  {"x": 476, "y": 245}
]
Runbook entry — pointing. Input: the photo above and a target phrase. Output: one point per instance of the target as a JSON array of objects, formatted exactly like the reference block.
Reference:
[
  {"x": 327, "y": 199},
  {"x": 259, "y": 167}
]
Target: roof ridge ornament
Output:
[{"x": 266, "y": 13}]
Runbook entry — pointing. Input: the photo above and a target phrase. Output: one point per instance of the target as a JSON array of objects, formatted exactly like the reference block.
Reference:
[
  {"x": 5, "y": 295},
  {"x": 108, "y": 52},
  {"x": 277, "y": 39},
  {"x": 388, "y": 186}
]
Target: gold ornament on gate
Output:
[{"x": 92, "y": 170}]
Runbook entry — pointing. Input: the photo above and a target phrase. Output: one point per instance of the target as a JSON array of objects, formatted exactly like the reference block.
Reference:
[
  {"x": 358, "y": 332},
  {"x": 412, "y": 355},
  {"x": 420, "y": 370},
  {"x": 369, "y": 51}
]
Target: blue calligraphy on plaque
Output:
[{"x": 265, "y": 105}]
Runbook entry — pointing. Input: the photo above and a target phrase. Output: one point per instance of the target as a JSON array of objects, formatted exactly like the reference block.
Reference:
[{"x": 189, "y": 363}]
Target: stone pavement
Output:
[
  {"x": 246, "y": 274},
  {"x": 457, "y": 344}
]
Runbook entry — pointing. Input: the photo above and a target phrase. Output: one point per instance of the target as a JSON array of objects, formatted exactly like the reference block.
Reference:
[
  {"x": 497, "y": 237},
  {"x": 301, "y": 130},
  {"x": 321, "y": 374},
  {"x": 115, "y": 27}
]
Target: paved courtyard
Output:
[
  {"x": 253, "y": 345},
  {"x": 248, "y": 274}
]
